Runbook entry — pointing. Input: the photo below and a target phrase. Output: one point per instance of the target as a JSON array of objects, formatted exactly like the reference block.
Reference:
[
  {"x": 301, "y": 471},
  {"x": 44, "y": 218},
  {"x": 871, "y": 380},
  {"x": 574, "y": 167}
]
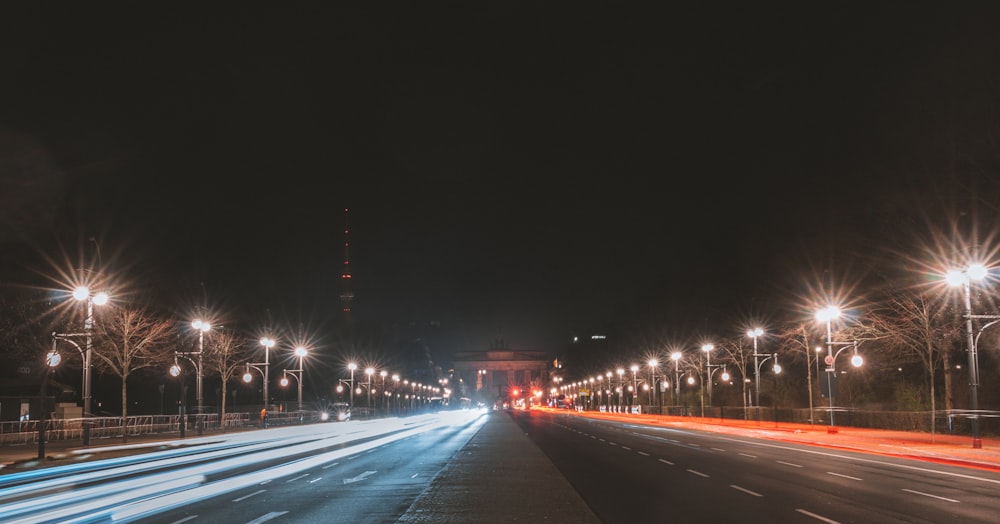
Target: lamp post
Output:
[
  {"x": 352, "y": 366},
  {"x": 268, "y": 343},
  {"x": 52, "y": 359},
  {"x": 775, "y": 367},
  {"x": 963, "y": 278},
  {"x": 827, "y": 315},
  {"x": 202, "y": 328},
  {"x": 301, "y": 352},
  {"x": 369, "y": 372},
  {"x": 707, "y": 348},
  {"x": 652, "y": 379},
  {"x": 82, "y": 293},
  {"x": 175, "y": 371},
  {"x": 621, "y": 388},
  {"x": 676, "y": 357},
  {"x": 754, "y": 333}
]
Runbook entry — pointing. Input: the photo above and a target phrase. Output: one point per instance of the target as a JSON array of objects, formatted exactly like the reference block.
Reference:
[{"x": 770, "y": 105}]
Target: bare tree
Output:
[
  {"x": 796, "y": 338},
  {"x": 225, "y": 353},
  {"x": 917, "y": 327},
  {"x": 738, "y": 354},
  {"x": 130, "y": 338}
]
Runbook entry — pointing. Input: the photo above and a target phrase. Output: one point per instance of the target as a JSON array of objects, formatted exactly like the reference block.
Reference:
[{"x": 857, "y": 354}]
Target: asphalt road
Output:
[
  {"x": 635, "y": 473},
  {"x": 335, "y": 472}
]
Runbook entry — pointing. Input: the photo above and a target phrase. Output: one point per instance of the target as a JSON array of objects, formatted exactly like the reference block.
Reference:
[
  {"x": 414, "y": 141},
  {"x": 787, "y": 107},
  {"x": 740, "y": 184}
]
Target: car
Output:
[{"x": 339, "y": 411}]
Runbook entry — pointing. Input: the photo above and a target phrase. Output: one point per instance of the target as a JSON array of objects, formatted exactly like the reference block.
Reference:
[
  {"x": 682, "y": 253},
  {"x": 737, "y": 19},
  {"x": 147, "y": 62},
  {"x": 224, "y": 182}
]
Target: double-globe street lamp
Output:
[
  {"x": 300, "y": 352},
  {"x": 84, "y": 294},
  {"x": 52, "y": 359},
  {"x": 963, "y": 278},
  {"x": 827, "y": 315},
  {"x": 754, "y": 333}
]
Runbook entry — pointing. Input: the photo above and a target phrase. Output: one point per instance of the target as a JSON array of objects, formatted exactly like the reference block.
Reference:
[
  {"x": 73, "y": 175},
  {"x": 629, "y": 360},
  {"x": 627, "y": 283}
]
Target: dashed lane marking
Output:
[
  {"x": 244, "y": 497},
  {"x": 928, "y": 495},
  {"x": 842, "y": 475},
  {"x": 745, "y": 490},
  {"x": 817, "y": 517}
]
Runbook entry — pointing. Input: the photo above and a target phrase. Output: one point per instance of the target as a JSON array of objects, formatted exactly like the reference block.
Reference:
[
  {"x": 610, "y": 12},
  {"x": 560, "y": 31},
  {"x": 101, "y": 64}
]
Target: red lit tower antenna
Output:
[{"x": 346, "y": 295}]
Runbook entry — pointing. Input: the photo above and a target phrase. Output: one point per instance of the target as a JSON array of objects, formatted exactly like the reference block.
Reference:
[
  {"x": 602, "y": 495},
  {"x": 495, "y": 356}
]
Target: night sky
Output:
[{"x": 527, "y": 171}]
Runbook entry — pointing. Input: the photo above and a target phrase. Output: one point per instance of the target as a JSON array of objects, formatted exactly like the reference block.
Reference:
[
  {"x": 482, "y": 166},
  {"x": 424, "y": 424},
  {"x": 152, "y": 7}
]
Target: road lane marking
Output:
[
  {"x": 700, "y": 474},
  {"x": 297, "y": 478},
  {"x": 185, "y": 519},
  {"x": 929, "y": 495},
  {"x": 817, "y": 517},
  {"x": 718, "y": 449},
  {"x": 269, "y": 516},
  {"x": 840, "y": 475},
  {"x": 360, "y": 477},
  {"x": 694, "y": 445},
  {"x": 745, "y": 490},
  {"x": 789, "y": 464},
  {"x": 315, "y": 479},
  {"x": 748, "y": 455},
  {"x": 602, "y": 440},
  {"x": 413, "y": 476},
  {"x": 612, "y": 443},
  {"x": 330, "y": 465},
  {"x": 643, "y": 453},
  {"x": 244, "y": 497},
  {"x": 626, "y": 448},
  {"x": 667, "y": 462}
]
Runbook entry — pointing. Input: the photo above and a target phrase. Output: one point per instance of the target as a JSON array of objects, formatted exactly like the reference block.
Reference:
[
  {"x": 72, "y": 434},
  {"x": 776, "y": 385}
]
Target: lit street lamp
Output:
[
  {"x": 676, "y": 357},
  {"x": 369, "y": 372},
  {"x": 300, "y": 352},
  {"x": 202, "y": 328},
  {"x": 754, "y": 333},
  {"x": 52, "y": 360},
  {"x": 828, "y": 314},
  {"x": 964, "y": 278},
  {"x": 82, "y": 293},
  {"x": 707, "y": 348}
]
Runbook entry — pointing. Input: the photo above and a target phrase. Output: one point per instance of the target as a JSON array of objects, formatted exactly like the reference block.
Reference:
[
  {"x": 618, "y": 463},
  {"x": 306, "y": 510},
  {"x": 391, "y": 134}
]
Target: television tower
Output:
[{"x": 346, "y": 295}]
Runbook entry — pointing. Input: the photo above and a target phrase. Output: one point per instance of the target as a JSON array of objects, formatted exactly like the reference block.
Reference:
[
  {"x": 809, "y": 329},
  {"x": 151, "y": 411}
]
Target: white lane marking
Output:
[
  {"x": 790, "y": 464},
  {"x": 185, "y": 519},
  {"x": 413, "y": 476},
  {"x": 297, "y": 478},
  {"x": 667, "y": 462},
  {"x": 748, "y": 455},
  {"x": 693, "y": 444},
  {"x": 817, "y": 517},
  {"x": 315, "y": 479},
  {"x": 330, "y": 465},
  {"x": 244, "y": 497},
  {"x": 745, "y": 490},
  {"x": 612, "y": 443},
  {"x": 359, "y": 477},
  {"x": 626, "y": 448},
  {"x": 268, "y": 481},
  {"x": 602, "y": 440},
  {"x": 856, "y": 459},
  {"x": 643, "y": 453},
  {"x": 592, "y": 436},
  {"x": 718, "y": 449},
  {"x": 840, "y": 475},
  {"x": 700, "y": 474},
  {"x": 269, "y": 516},
  {"x": 929, "y": 495}
]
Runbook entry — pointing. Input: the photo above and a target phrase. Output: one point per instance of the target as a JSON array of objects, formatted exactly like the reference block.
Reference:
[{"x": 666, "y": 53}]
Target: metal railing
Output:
[{"x": 15, "y": 432}]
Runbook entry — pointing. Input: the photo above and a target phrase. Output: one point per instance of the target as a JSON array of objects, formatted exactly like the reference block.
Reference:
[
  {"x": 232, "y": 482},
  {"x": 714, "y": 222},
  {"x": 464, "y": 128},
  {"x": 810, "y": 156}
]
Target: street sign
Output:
[{"x": 828, "y": 360}]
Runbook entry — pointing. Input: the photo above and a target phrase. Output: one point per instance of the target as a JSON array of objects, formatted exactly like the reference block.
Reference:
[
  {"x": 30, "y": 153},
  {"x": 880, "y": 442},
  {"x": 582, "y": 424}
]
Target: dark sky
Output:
[{"x": 518, "y": 170}]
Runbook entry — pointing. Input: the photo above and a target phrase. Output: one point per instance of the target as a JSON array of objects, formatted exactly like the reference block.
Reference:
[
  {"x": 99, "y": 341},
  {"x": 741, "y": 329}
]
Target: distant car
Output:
[{"x": 340, "y": 411}]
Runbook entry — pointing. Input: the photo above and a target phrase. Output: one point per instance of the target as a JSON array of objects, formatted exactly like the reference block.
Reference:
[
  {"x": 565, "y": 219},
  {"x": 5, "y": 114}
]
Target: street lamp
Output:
[
  {"x": 754, "y": 333},
  {"x": 652, "y": 372},
  {"x": 352, "y": 366},
  {"x": 300, "y": 352},
  {"x": 775, "y": 367},
  {"x": 707, "y": 348},
  {"x": 202, "y": 328},
  {"x": 828, "y": 314},
  {"x": 676, "y": 357},
  {"x": 369, "y": 372},
  {"x": 621, "y": 389},
  {"x": 635, "y": 385},
  {"x": 82, "y": 293},
  {"x": 268, "y": 343},
  {"x": 963, "y": 278},
  {"x": 52, "y": 359}
]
